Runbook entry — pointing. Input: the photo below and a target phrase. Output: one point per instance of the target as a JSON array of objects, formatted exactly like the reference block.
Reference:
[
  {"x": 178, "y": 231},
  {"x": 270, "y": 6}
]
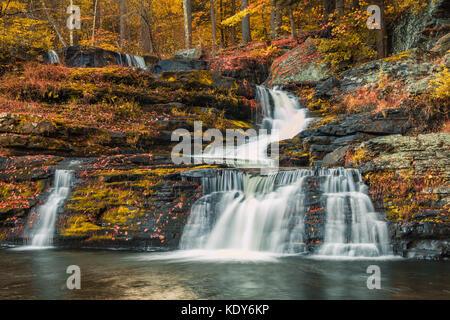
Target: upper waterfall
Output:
[{"x": 282, "y": 117}]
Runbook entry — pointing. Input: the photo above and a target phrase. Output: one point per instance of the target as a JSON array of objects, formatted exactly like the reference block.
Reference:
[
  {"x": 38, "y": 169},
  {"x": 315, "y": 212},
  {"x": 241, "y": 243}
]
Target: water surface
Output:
[{"x": 41, "y": 274}]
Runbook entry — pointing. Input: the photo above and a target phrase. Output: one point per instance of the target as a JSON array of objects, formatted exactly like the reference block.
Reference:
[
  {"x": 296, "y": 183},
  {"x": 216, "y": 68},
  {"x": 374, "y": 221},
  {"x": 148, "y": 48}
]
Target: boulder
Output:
[
  {"x": 299, "y": 65},
  {"x": 87, "y": 57},
  {"x": 178, "y": 64},
  {"x": 194, "y": 54}
]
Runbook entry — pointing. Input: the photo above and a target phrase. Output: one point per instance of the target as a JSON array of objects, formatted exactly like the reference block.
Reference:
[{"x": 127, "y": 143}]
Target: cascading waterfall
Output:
[
  {"x": 246, "y": 212},
  {"x": 352, "y": 225},
  {"x": 53, "y": 57},
  {"x": 283, "y": 118},
  {"x": 134, "y": 61},
  {"x": 44, "y": 228}
]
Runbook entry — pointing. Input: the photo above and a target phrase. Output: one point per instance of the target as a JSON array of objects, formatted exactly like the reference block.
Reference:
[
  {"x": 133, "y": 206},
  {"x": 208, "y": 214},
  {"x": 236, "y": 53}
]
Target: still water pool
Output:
[{"x": 41, "y": 274}]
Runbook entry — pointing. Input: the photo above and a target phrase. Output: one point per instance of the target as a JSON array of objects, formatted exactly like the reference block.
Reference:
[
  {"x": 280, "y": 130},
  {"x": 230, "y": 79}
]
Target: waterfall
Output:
[
  {"x": 249, "y": 213},
  {"x": 282, "y": 116},
  {"x": 53, "y": 57},
  {"x": 325, "y": 210},
  {"x": 352, "y": 225},
  {"x": 246, "y": 212},
  {"x": 42, "y": 232},
  {"x": 134, "y": 61}
]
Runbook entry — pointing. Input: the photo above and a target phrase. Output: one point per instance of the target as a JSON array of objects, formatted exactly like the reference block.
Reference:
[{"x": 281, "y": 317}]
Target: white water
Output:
[
  {"x": 53, "y": 57},
  {"x": 259, "y": 217},
  {"x": 134, "y": 61},
  {"x": 44, "y": 228},
  {"x": 352, "y": 226},
  {"x": 283, "y": 117},
  {"x": 244, "y": 213}
]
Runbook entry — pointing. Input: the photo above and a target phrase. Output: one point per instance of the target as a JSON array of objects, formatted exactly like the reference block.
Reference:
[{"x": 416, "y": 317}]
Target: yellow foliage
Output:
[{"x": 440, "y": 86}]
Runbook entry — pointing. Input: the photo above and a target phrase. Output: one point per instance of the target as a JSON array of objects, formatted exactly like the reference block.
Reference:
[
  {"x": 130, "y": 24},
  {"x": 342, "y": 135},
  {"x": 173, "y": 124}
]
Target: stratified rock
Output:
[{"x": 421, "y": 29}]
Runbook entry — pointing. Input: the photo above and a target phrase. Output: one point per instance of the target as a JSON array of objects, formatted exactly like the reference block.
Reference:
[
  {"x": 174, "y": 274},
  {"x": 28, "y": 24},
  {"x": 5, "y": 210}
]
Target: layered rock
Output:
[
  {"x": 124, "y": 201},
  {"x": 331, "y": 137},
  {"x": 410, "y": 180}
]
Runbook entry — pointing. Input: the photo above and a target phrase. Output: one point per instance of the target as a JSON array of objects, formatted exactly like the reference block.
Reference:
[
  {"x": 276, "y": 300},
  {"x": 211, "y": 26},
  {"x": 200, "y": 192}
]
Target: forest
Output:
[
  {"x": 165, "y": 26},
  {"x": 114, "y": 115}
]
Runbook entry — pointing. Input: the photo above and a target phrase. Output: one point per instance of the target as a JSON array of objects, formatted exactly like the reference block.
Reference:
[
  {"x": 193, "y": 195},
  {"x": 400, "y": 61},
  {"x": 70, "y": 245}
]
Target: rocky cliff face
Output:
[{"x": 410, "y": 180}]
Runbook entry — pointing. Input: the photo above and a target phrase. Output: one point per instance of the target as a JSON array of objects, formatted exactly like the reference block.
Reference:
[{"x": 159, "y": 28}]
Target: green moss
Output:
[{"x": 79, "y": 226}]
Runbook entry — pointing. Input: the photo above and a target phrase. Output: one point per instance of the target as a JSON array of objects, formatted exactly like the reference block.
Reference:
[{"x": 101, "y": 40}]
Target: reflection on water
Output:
[{"x": 123, "y": 275}]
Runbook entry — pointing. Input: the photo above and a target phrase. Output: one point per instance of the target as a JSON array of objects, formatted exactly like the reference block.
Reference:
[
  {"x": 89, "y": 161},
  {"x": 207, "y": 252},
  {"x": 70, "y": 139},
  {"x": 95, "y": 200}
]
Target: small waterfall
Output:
[
  {"x": 53, "y": 57},
  {"x": 352, "y": 225},
  {"x": 42, "y": 232},
  {"x": 134, "y": 61},
  {"x": 245, "y": 212}
]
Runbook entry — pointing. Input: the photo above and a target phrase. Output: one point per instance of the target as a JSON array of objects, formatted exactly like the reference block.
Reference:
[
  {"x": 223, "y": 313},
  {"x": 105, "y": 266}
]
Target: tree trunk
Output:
[
  {"x": 122, "y": 21},
  {"x": 213, "y": 26},
  {"x": 187, "y": 9},
  {"x": 233, "y": 28},
  {"x": 96, "y": 20},
  {"x": 355, "y": 4},
  {"x": 275, "y": 20},
  {"x": 329, "y": 6},
  {"x": 246, "y": 33},
  {"x": 381, "y": 33},
  {"x": 293, "y": 26},
  {"x": 340, "y": 7},
  {"x": 146, "y": 29},
  {"x": 222, "y": 34},
  {"x": 52, "y": 22}
]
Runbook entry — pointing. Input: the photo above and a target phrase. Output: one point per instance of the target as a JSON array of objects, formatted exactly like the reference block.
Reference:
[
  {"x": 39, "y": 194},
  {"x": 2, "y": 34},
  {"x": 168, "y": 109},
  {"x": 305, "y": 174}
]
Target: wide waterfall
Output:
[
  {"x": 246, "y": 212},
  {"x": 43, "y": 230}
]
